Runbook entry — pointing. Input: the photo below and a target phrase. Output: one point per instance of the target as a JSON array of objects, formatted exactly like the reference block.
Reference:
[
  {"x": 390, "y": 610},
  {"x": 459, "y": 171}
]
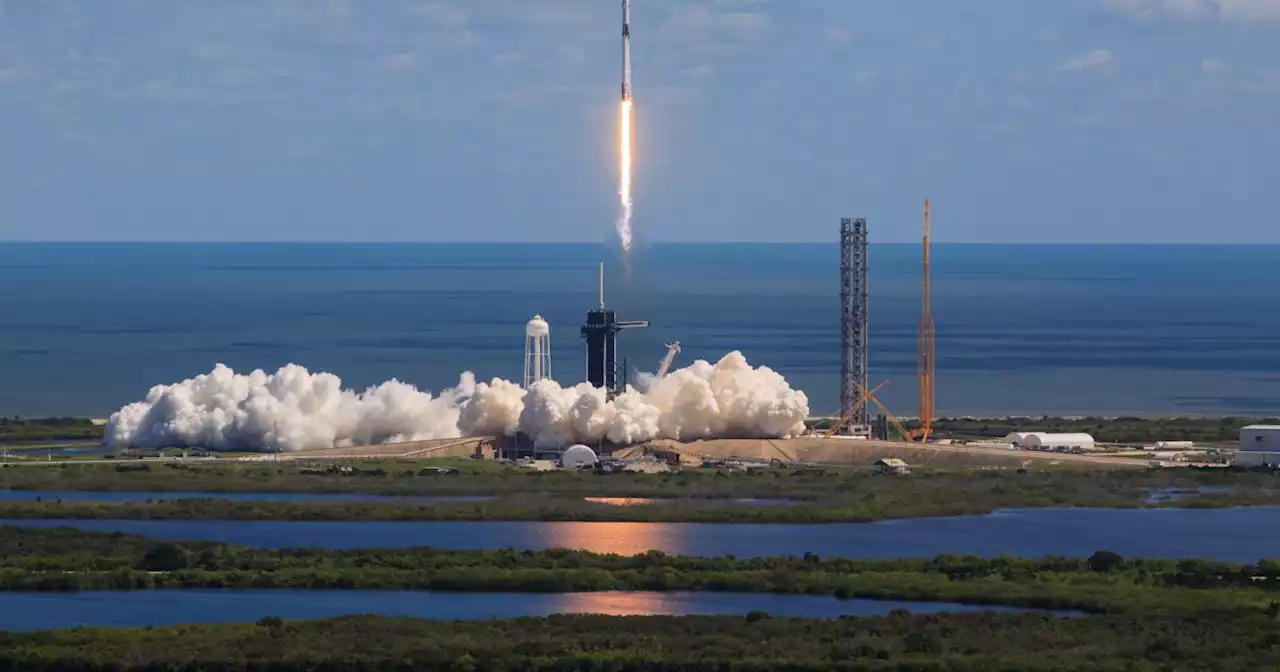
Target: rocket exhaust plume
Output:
[
  {"x": 624, "y": 140},
  {"x": 295, "y": 409}
]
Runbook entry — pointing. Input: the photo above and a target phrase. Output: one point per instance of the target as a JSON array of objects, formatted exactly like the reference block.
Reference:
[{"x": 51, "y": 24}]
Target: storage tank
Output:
[
  {"x": 1175, "y": 445},
  {"x": 577, "y": 457}
]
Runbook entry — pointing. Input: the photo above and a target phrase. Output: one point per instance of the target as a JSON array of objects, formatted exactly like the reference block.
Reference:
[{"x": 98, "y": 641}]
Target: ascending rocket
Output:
[{"x": 626, "y": 50}]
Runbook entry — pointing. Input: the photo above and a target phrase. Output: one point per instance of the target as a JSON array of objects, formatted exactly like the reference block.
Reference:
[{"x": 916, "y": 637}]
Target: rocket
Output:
[{"x": 626, "y": 50}]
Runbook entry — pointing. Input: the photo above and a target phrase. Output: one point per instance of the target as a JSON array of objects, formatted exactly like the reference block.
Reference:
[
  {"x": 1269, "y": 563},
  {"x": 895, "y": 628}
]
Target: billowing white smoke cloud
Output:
[
  {"x": 292, "y": 409},
  {"x": 295, "y": 410}
]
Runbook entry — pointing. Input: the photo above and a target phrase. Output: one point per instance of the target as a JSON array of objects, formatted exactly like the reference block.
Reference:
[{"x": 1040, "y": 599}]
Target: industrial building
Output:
[
  {"x": 1062, "y": 443},
  {"x": 1259, "y": 447}
]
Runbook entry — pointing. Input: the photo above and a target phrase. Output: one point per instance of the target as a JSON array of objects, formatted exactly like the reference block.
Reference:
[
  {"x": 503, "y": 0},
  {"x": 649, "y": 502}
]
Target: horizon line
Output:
[{"x": 640, "y": 246}]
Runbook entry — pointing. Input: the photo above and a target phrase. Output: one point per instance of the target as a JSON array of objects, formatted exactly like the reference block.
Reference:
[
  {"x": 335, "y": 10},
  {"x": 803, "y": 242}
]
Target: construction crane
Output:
[
  {"x": 848, "y": 413},
  {"x": 673, "y": 349},
  {"x": 906, "y": 434},
  {"x": 926, "y": 371}
]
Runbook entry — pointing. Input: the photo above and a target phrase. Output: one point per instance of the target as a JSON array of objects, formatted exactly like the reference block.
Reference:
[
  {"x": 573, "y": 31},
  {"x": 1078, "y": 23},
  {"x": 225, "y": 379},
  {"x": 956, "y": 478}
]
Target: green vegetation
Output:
[
  {"x": 901, "y": 641},
  {"x": 1149, "y": 614},
  {"x": 704, "y": 496},
  {"x": 1132, "y": 430},
  {"x": 17, "y": 430},
  {"x": 67, "y": 559},
  {"x": 483, "y": 477}
]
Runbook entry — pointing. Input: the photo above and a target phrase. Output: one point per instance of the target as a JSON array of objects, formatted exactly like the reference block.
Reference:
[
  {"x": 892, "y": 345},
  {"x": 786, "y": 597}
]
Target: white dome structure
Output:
[{"x": 577, "y": 457}]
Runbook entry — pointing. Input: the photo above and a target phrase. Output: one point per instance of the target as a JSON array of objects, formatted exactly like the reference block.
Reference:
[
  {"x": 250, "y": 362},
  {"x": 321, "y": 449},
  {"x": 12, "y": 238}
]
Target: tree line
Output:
[
  {"x": 64, "y": 559},
  {"x": 756, "y": 642}
]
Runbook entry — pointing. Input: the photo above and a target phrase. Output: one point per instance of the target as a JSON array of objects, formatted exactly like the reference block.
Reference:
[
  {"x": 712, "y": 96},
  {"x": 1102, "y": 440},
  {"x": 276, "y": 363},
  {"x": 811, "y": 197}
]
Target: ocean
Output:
[{"x": 1021, "y": 329}]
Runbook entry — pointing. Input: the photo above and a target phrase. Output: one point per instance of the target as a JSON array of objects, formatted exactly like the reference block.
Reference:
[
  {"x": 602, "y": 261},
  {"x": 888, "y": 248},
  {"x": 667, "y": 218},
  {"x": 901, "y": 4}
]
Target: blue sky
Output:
[{"x": 757, "y": 120}]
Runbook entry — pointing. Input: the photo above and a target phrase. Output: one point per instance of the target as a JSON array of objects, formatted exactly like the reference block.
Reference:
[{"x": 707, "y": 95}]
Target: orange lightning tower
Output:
[{"x": 926, "y": 372}]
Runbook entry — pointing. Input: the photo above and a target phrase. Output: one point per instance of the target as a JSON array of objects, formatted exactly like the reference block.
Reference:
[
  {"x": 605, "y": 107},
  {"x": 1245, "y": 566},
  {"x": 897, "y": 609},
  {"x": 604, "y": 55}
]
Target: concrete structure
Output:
[
  {"x": 853, "y": 322},
  {"x": 1057, "y": 442},
  {"x": 537, "y": 351},
  {"x": 577, "y": 457},
  {"x": 1265, "y": 438}
]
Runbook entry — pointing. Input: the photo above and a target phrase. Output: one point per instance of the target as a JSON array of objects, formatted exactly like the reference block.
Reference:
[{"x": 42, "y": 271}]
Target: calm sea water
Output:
[
  {"x": 42, "y": 611},
  {"x": 1224, "y": 534},
  {"x": 87, "y": 328}
]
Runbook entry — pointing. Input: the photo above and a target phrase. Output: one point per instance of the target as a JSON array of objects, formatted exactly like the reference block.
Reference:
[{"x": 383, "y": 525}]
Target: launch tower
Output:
[
  {"x": 601, "y": 334},
  {"x": 853, "y": 321}
]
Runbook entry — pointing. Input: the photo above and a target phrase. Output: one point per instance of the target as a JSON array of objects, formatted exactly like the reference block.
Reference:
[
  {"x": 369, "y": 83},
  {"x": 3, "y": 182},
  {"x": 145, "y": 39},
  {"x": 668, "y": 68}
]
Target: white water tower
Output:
[{"x": 537, "y": 351}]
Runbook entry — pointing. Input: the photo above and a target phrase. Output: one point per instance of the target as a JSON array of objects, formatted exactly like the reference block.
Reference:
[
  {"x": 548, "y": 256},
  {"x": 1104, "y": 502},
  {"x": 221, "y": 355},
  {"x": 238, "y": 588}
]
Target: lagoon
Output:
[
  {"x": 43, "y": 611},
  {"x": 1234, "y": 535}
]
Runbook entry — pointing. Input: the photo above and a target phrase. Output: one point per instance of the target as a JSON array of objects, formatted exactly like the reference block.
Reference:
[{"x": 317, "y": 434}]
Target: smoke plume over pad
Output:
[{"x": 294, "y": 409}]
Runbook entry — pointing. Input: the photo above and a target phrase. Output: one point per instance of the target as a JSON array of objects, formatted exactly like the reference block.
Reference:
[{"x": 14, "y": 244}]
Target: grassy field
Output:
[
  {"x": 66, "y": 559},
  {"x": 754, "y": 643},
  {"x": 702, "y": 495},
  {"x": 481, "y": 477}
]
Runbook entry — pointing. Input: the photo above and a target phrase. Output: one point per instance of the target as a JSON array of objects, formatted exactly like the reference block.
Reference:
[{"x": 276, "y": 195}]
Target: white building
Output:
[
  {"x": 1016, "y": 438},
  {"x": 577, "y": 457},
  {"x": 891, "y": 465},
  {"x": 1057, "y": 442},
  {"x": 1256, "y": 458},
  {"x": 1265, "y": 438}
]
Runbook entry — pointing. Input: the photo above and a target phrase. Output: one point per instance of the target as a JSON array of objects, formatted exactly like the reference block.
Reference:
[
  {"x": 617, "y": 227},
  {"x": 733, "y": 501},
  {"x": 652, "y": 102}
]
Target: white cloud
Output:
[
  {"x": 1094, "y": 59},
  {"x": 699, "y": 23},
  {"x": 403, "y": 61},
  {"x": 1235, "y": 11},
  {"x": 1251, "y": 11},
  {"x": 700, "y": 71},
  {"x": 443, "y": 14},
  {"x": 929, "y": 41},
  {"x": 1147, "y": 10},
  {"x": 1214, "y": 66},
  {"x": 836, "y": 34},
  {"x": 508, "y": 58}
]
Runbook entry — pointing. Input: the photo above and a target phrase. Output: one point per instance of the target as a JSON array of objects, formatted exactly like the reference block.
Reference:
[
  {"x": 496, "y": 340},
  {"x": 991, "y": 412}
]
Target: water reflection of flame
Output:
[
  {"x": 619, "y": 538},
  {"x": 620, "y": 501},
  {"x": 617, "y": 604}
]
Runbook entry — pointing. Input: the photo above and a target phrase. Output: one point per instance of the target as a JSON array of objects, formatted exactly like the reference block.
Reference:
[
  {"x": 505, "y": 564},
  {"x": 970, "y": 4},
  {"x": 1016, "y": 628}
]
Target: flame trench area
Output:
[{"x": 624, "y": 178}]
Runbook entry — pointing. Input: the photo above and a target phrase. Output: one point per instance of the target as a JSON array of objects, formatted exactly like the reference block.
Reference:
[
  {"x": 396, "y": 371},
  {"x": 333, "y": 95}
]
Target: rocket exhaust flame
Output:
[
  {"x": 624, "y": 177},
  {"x": 624, "y": 141}
]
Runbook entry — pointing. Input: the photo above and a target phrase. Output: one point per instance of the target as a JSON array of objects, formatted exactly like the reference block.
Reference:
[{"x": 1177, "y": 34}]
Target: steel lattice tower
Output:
[{"x": 853, "y": 319}]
